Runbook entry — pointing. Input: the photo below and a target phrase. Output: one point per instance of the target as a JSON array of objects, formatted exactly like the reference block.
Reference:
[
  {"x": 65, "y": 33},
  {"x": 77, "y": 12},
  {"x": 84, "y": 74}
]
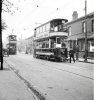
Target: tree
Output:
[
  {"x": 5, "y": 6},
  {"x": 1, "y": 50}
]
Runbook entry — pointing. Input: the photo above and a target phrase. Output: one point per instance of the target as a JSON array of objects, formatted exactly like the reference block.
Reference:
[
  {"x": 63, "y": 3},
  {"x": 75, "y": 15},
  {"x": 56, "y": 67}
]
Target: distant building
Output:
[
  {"x": 21, "y": 45},
  {"x": 29, "y": 45},
  {"x": 76, "y": 33}
]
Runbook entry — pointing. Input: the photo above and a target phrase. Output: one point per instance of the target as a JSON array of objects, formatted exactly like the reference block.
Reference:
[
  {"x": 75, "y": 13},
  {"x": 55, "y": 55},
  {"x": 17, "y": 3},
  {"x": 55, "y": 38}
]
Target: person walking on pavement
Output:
[{"x": 71, "y": 53}]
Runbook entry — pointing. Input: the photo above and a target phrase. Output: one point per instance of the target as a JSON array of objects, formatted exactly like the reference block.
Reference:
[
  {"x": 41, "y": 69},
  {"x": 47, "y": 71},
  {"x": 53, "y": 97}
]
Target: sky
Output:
[{"x": 28, "y": 14}]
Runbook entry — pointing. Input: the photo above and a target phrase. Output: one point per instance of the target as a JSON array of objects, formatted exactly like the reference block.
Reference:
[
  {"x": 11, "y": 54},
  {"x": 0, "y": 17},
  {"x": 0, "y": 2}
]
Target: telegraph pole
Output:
[{"x": 86, "y": 50}]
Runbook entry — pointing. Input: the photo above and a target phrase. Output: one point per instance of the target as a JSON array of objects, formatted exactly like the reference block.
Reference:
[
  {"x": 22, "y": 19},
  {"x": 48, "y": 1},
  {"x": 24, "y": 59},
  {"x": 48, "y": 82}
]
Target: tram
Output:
[
  {"x": 50, "y": 40},
  {"x": 12, "y": 44}
]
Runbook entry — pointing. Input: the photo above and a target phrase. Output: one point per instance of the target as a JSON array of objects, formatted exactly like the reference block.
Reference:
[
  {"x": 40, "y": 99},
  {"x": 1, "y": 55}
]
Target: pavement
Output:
[
  {"x": 12, "y": 87},
  {"x": 89, "y": 60}
]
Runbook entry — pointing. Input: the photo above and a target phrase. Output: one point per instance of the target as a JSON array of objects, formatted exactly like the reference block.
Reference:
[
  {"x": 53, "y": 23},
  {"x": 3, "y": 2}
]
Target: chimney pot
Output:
[{"x": 75, "y": 15}]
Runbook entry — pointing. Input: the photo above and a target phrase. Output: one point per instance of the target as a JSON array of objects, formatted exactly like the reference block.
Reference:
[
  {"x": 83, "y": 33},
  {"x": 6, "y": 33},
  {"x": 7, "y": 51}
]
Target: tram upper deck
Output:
[{"x": 53, "y": 28}]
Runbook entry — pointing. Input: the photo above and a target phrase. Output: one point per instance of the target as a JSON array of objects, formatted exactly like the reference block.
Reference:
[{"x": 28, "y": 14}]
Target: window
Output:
[
  {"x": 92, "y": 25},
  {"x": 40, "y": 29},
  {"x": 44, "y": 28},
  {"x": 56, "y": 28},
  {"x": 12, "y": 38},
  {"x": 37, "y": 30},
  {"x": 84, "y": 27},
  {"x": 60, "y": 28},
  {"x": 92, "y": 43},
  {"x": 58, "y": 40},
  {"x": 48, "y": 27},
  {"x": 69, "y": 29}
]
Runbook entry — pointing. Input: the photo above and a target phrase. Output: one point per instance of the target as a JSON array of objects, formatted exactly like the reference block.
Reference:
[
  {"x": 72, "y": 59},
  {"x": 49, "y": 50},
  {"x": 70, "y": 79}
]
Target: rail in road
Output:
[
  {"x": 75, "y": 70},
  {"x": 67, "y": 67}
]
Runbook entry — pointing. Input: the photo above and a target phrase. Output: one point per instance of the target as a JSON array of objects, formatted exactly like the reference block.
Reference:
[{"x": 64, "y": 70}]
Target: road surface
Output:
[{"x": 55, "y": 80}]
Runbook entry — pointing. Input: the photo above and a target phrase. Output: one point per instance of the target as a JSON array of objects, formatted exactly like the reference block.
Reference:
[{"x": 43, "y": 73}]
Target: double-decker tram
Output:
[
  {"x": 12, "y": 44},
  {"x": 50, "y": 40}
]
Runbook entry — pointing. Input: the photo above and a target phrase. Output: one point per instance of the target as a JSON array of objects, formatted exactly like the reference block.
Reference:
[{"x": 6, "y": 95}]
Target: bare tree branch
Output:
[{"x": 7, "y": 6}]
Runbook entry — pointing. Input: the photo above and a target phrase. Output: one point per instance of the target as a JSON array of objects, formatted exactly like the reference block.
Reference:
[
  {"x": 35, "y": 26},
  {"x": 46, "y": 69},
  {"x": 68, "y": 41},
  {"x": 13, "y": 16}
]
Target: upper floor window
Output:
[
  {"x": 84, "y": 27},
  {"x": 92, "y": 25},
  {"x": 69, "y": 29}
]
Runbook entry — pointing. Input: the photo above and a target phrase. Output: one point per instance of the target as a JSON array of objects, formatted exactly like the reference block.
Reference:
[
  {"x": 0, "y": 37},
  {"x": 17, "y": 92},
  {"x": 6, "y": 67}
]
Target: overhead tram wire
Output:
[
  {"x": 61, "y": 8},
  {"x": 33, "y": 10},
  {"x": 38, "y": 6}
]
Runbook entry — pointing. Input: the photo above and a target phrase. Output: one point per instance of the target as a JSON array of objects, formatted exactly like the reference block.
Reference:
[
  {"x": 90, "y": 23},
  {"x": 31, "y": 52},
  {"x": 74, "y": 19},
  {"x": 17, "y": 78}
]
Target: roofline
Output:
[
  {"x": 78, "y": 19},
  {"x": 50, "y": 21}
]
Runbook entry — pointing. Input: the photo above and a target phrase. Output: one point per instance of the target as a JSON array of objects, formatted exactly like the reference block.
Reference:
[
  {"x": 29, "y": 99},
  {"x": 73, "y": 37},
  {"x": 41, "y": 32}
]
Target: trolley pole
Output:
[{"x": 86, "y": 50}]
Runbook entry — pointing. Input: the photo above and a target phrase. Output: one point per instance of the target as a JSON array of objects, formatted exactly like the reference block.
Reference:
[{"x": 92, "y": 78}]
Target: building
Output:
[
  {"x": 21, "y": 45},
  {"x": 77, "y": 30},
  {"x": 29, "y": 45}
]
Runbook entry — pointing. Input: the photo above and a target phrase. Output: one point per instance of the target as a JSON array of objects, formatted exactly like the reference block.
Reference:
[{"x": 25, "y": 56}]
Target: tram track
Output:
[
  {"x": 70, "y": 72},
  {"x": 45, "y": 63}
]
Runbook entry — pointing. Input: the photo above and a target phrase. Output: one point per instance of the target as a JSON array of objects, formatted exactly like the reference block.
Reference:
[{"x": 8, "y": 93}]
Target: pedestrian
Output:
[{"x": 71, "y": 53}]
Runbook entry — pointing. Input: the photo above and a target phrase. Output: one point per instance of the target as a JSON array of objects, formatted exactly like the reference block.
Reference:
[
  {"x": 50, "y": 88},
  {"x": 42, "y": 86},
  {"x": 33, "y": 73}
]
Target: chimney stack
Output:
[{"x": 74, "y": 15}]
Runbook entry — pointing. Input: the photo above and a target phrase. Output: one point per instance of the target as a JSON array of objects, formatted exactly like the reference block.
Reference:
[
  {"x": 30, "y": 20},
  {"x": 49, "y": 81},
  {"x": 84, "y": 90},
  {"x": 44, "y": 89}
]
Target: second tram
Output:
[
  {"x": 50, "y": 40},
  {"x": 12, "y": 44}
]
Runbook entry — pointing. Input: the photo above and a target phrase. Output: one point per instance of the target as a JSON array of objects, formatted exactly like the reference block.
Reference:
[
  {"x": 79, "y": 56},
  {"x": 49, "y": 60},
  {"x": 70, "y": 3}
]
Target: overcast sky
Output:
[{"x": 31, "y": 13}]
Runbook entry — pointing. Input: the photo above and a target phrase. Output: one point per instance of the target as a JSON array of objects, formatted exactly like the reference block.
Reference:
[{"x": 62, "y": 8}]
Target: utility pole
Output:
[
  {"x": 86, "y": 50},
  {"x": 21, "y": 42},
  {"x": 1, "y": 45}
]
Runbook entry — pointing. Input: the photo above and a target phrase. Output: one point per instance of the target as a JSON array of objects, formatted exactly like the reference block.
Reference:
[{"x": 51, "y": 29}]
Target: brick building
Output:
[{"x": 77, "y": 30}]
